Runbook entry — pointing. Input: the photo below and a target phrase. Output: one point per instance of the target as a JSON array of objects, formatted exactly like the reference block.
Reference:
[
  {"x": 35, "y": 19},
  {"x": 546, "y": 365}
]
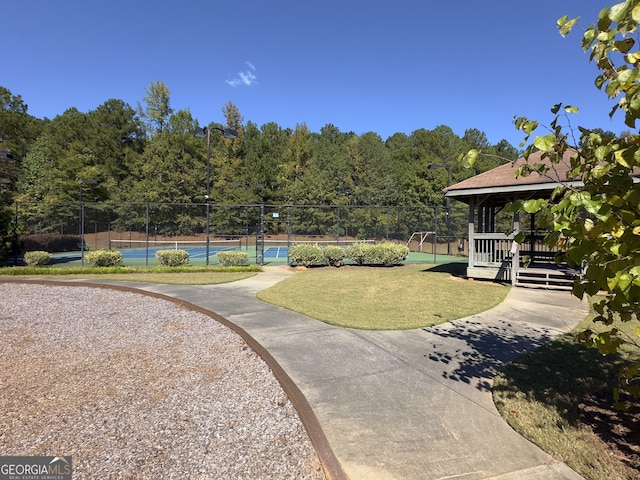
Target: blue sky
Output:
[{"x": 362, "y": 66}]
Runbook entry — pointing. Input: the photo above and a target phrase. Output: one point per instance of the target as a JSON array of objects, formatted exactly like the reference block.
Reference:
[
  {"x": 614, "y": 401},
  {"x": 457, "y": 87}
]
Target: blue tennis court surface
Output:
[
  {"x": 200, "y": 252},
  {"x": 197, "y": 253},
  {"x": 276, "y": 252},
  {"x": 194, "y": 252}
]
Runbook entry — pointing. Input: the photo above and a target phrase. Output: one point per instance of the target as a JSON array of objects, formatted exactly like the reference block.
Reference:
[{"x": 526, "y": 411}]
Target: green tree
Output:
[
  {"x": 170, "y": 172},
  {"x": 158, "y": 109},
  {"x": 117, "y": 140},
  {"x": 233, "y": 117},
  {"x": 599, "y": 223},
  {"x": 18, "y": 129},
  {"x": 264, "y": 159},
  {"x": 297, "y": 155},
  {"x": 62, "y": 156}
]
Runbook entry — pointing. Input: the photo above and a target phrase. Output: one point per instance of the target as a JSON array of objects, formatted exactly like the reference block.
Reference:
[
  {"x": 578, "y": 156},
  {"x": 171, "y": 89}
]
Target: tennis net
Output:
[
  {"x": 175, "y": 244},
  {"x": 319, "y": 243}
]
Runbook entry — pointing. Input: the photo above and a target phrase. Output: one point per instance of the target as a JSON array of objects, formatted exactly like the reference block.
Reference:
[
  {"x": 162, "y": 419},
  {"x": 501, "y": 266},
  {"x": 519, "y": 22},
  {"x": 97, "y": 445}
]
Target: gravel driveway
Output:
[{"x": 138, "y": 387}]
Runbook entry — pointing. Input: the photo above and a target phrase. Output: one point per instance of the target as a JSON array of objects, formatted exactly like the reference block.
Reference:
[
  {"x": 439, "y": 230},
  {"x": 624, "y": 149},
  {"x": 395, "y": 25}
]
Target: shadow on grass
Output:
[
  {"x": 560, "y": 375},
  {"x": 457, "y": 269},
  {"x": 474, "y": 352},
  {"x": 577, "y": 382}
]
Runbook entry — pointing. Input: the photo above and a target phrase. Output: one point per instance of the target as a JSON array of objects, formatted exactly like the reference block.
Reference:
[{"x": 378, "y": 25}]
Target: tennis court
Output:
[
  {"x": 136, "y": 250},
  {"x": 141, "y": 249},
  {"x": 276, "y": 252},
  {"x": 198, "y": 252}
]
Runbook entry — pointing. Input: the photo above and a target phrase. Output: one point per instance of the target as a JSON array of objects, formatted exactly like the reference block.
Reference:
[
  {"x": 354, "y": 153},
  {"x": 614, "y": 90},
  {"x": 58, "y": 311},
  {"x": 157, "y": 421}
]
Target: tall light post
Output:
[
  {"x": 92, "y": 181},
  {"x": 202, "y": 133},
  {"x": 447, "y": 203}
]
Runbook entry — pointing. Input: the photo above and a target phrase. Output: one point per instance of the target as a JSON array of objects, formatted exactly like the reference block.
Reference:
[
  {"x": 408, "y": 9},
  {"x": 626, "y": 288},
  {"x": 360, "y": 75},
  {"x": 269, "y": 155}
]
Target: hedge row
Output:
[
  {"x": 50, "y": 242},
  {"x": 113, "y": 258},
  {"x": 385, "y": 253}
]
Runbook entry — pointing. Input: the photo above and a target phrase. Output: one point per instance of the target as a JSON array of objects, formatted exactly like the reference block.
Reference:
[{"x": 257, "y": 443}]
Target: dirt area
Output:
[{"x": 619, "y": 429}]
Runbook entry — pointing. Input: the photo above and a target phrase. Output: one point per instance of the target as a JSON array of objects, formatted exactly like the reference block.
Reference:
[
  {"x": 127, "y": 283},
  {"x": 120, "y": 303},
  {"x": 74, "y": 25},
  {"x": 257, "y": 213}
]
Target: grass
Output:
[
  {"x": 560, "y": 398},
  {"x": 377, "y": 298},
  {"x": 187, "y": 275}
]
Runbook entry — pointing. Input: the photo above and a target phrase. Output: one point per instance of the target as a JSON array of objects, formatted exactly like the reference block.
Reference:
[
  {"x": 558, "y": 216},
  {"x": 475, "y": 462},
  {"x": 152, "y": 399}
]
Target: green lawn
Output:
[
  {"x": 379, "y": 298},
  {"x": 188, "y": 275}
]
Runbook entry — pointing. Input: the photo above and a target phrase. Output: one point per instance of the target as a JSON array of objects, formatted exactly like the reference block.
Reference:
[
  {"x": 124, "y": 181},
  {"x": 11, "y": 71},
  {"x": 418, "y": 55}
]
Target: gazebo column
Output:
[
  {"x": 472, "y": 243},
  {"x": 515, "y": 250}
]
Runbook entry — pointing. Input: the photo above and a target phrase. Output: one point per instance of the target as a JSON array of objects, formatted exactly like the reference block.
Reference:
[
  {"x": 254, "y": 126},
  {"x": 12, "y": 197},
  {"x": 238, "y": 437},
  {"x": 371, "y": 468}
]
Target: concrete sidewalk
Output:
[{"x": 413, "y": 404}]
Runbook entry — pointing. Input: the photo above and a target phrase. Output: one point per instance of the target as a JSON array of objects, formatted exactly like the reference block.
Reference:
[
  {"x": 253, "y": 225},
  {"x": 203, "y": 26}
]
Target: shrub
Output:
[
  {"x": 173, "y": 258},
  {"x": 104, "y": 258},
  {"x": 306, "y": 254},
  {"x": 359, "y": 253},
  {"x": 334, "y": 255},
  {"x": 233, "y": 259},
  {"x": 37, "y": 258},
  {"x": 388, "y": 253}
]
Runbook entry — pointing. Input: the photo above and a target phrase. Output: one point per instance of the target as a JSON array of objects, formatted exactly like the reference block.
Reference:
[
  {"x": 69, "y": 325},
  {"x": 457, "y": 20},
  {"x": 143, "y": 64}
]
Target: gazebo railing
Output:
[
  {"x": 535, "y": 248},
  {"x": 491, "y": 249}
]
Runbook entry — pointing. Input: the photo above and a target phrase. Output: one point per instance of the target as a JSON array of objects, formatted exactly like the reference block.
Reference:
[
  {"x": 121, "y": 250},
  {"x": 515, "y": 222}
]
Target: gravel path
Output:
[{"x": 135, "y": 387}]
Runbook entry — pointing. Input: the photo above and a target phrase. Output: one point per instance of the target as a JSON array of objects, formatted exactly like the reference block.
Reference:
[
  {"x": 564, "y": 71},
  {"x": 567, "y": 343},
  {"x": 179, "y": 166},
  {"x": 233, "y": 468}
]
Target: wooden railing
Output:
[
  {"x": 491, "y": 249},
  {"x": 542, "y": 253}
]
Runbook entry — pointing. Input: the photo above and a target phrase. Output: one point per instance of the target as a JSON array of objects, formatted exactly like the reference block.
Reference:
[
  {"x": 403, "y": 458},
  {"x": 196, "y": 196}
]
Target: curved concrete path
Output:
[{"x": 413, "y": 404}]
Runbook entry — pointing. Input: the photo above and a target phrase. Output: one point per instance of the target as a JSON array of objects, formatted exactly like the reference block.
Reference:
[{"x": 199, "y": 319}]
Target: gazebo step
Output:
[{"x": 545, "y": 278}]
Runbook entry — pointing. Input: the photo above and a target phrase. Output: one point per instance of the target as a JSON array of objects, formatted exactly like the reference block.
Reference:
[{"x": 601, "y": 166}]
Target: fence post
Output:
[
  {"x": 338, "y": 226},
  {"x": 15, "y": 239},
  {"x": 260, "y": 242},
  {"x": 288, "y": 232},
  {"x": 435, "y": 236}
]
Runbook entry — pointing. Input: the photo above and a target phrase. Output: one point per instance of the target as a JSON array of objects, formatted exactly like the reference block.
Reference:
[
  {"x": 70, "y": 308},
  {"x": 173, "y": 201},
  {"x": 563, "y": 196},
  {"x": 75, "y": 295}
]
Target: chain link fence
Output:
[{"x": 90, "y": 225}]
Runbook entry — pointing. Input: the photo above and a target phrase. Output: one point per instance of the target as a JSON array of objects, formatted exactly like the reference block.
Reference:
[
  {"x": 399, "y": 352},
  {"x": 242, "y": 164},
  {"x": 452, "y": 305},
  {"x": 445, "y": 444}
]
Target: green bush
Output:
[
  {"x": 334, "y": 255},
  {"x": 359, "y": 253},
  {"x": 233, "y": 259},
  {"x": 37, "y": 258},
  {"x": 173, "y": 258},
  {"x": 104, "y": 258},
  {"x": 388, "y": 253},
  {"x": 307, "y": 255}
]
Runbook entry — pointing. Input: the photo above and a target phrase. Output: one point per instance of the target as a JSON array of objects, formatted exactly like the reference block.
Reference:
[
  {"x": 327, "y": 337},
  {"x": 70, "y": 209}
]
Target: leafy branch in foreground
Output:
[{"x": 598, "y": 223}]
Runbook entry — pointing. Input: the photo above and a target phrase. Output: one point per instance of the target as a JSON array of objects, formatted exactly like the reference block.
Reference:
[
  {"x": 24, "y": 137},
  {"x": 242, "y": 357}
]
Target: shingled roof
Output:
[{"x": 502, "y": 179}]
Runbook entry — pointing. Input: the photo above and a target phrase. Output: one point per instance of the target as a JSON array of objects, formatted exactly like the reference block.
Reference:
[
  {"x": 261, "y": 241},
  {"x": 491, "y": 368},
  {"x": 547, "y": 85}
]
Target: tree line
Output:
[{"x": 150, "y": 154}]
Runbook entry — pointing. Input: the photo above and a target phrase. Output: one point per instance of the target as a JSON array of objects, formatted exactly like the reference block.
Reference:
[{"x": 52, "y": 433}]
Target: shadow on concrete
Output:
[{"x": 480, "y": 350}]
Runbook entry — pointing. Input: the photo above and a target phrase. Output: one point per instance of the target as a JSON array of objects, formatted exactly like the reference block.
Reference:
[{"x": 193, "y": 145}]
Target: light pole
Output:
[
  {"x": 92, "y": 181},
  {"x": 447, "y": 203},
  {"x": 202, "y": 133}
]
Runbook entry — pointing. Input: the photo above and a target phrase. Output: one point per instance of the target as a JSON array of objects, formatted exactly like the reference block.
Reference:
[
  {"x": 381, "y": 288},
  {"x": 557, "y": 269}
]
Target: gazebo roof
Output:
[{"x": 502, "y": 179}]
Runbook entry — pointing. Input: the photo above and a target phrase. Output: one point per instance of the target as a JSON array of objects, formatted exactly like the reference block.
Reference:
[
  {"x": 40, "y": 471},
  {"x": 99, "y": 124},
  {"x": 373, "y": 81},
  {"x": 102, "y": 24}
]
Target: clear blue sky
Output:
[{"x": 363, "y": 66}]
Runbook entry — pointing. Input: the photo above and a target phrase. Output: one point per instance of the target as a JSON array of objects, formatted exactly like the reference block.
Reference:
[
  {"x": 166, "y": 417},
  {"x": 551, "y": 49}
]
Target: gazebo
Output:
[{"x": 496, "y": 256}]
